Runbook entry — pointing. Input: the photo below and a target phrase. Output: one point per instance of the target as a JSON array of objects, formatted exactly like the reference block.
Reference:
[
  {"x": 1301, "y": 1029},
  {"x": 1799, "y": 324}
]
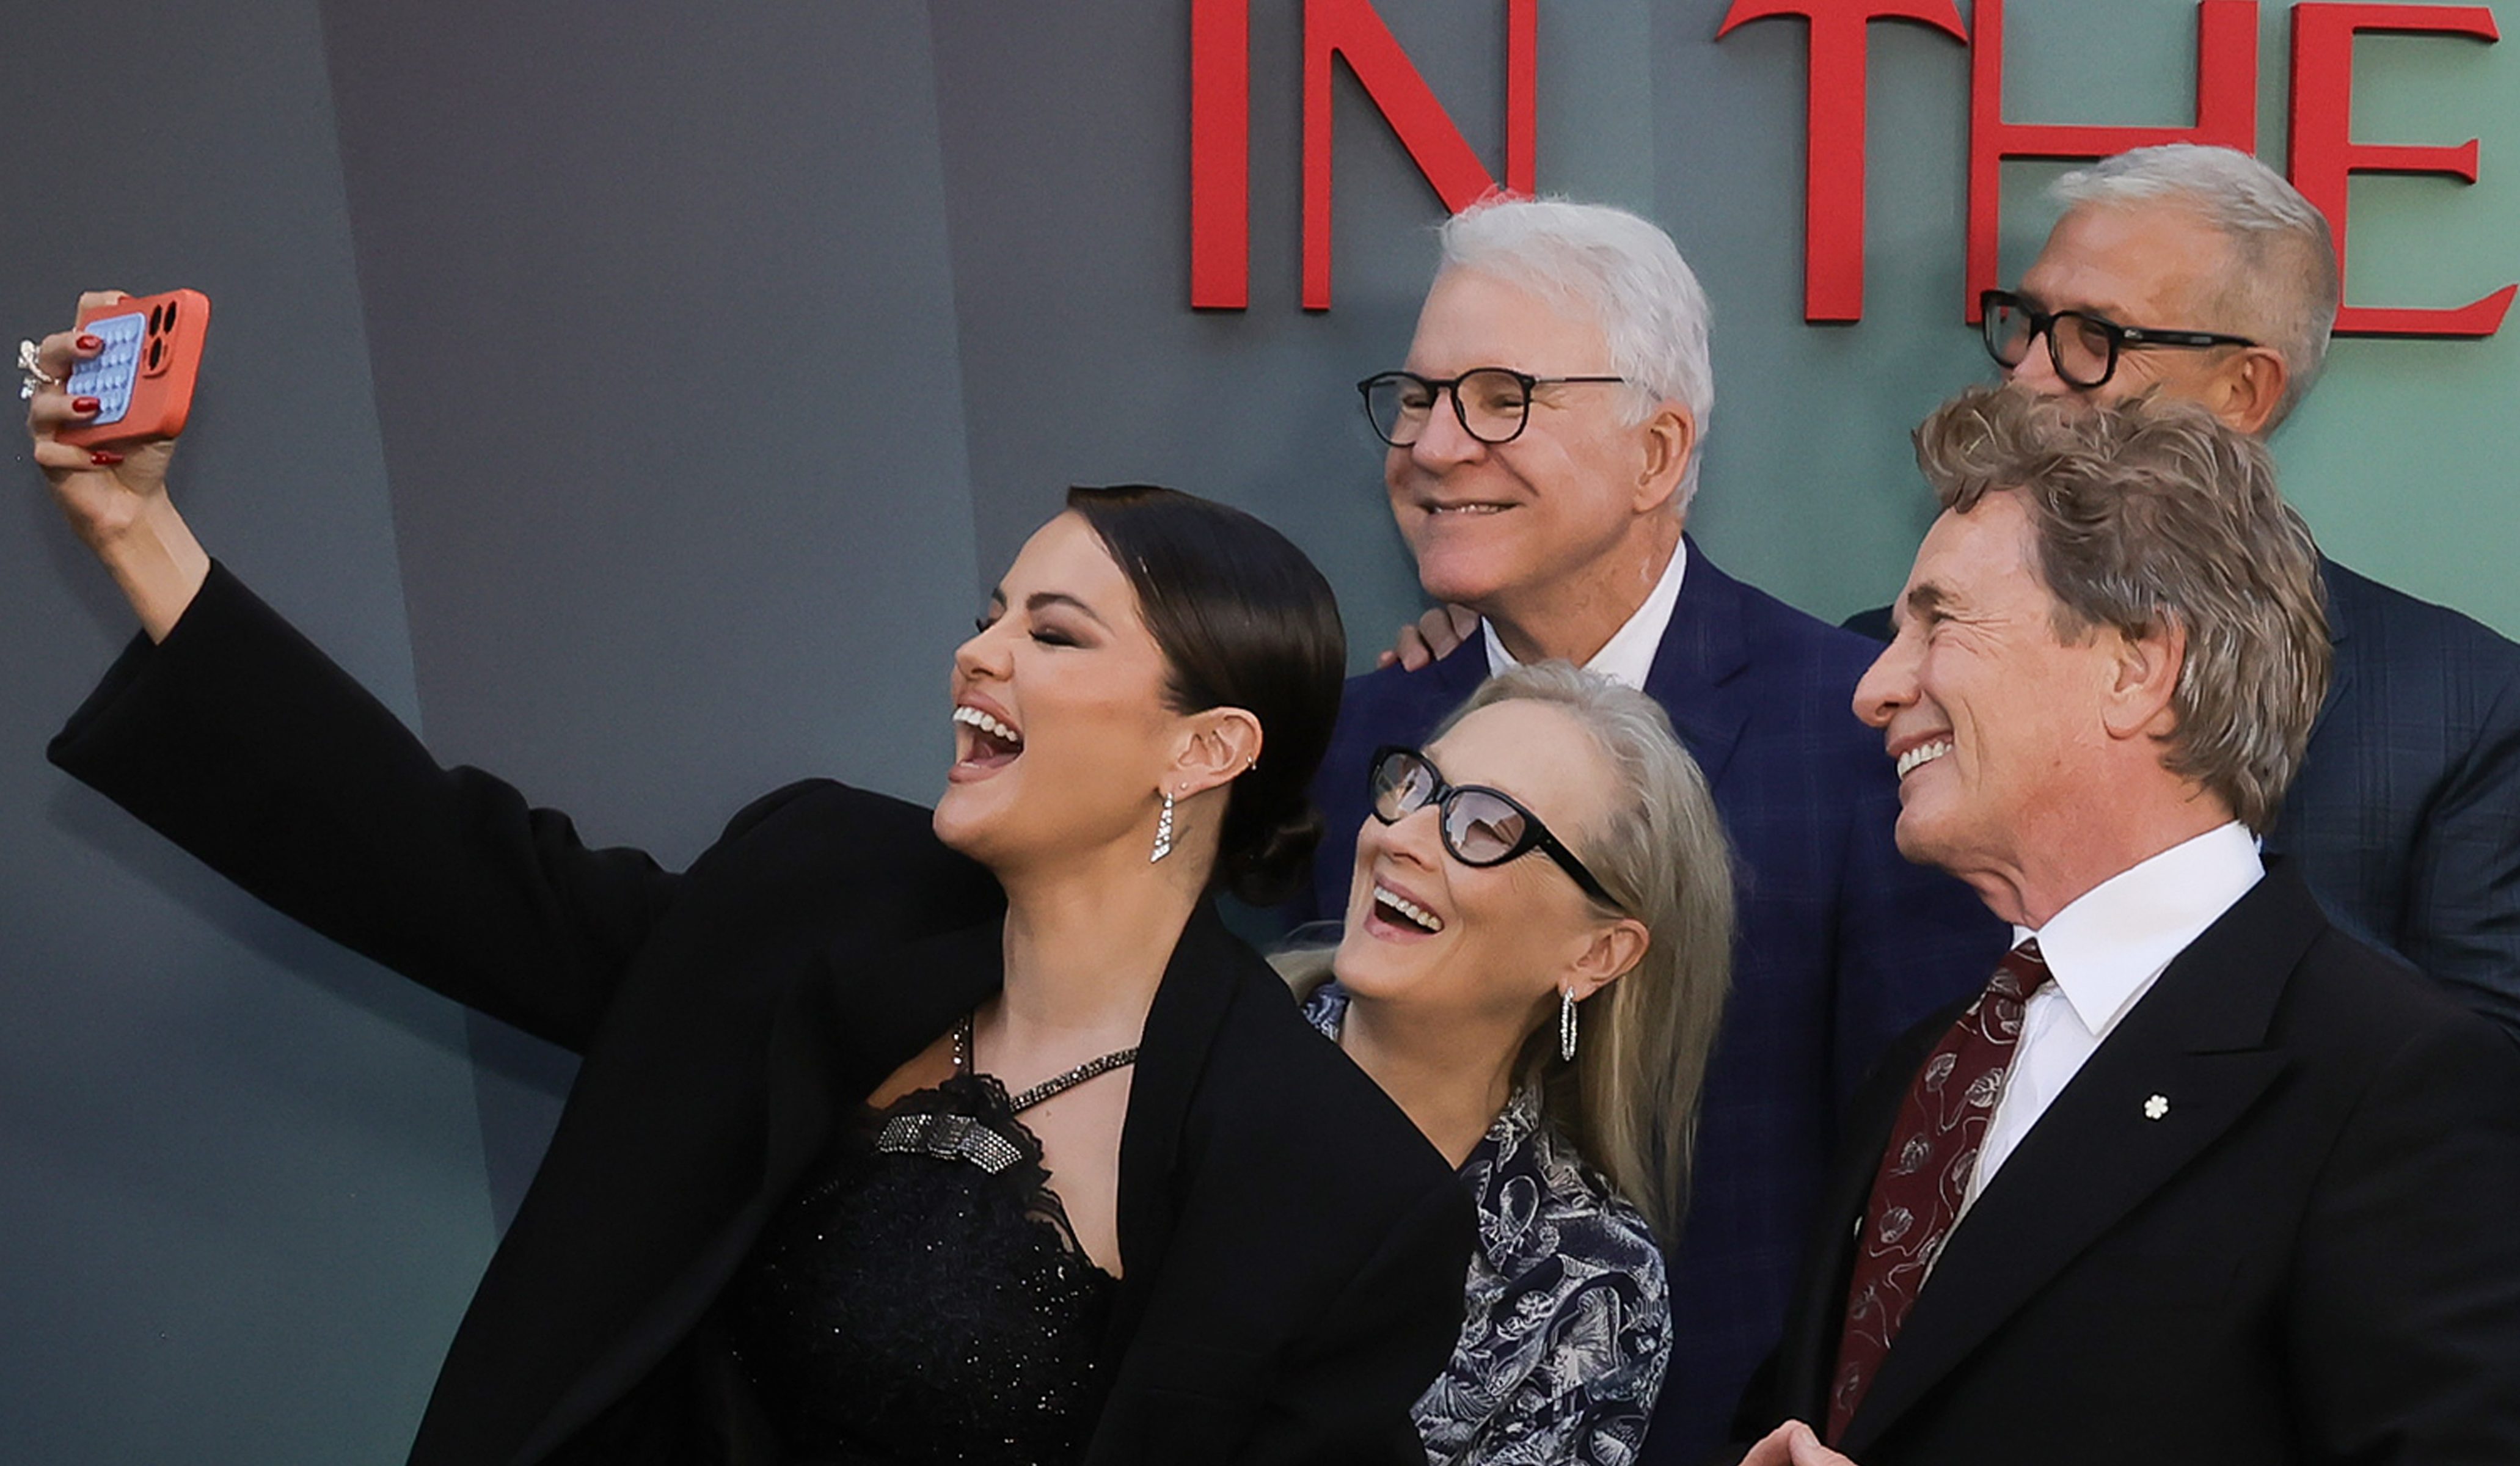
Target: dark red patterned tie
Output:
[{"x": 1926, "y": 1173}]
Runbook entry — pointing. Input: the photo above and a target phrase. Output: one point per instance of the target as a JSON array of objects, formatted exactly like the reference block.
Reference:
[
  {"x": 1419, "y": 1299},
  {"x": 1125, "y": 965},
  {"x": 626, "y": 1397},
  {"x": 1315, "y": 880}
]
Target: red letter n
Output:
[
  {"x": 2227, "y": 115},
  {"x": 1834, "y": 136},
  {"x": 1351, "y": 30},
  {"x": 2322, "y": 157}
]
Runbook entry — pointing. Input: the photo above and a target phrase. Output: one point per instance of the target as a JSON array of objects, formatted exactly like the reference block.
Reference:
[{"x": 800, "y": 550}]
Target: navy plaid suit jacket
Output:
[
  {"x": 2405, "y": 817},
  {"x": 1841, "y": 944}
]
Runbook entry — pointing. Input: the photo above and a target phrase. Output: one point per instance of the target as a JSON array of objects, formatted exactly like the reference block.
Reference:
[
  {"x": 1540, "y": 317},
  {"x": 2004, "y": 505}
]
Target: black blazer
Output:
[
  {"x": 2309, "y": 1256},
  {"x": 1292, "y": 1250}
]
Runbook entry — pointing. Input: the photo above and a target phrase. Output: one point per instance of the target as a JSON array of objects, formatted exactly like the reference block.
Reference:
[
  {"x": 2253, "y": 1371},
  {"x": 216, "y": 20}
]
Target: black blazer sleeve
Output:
[
  {"x": 1335, "y": 1392},
  {"x": 246, "y": 745},
  {"x": 1303, "y": 1282},
  {"x": 1346, "y": 1395},
  {"x": 2405, "y": 1322}
]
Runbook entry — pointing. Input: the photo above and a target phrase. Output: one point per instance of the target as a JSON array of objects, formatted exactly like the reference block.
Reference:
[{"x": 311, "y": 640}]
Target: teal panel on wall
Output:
[{"x": 2401, "y": 460}]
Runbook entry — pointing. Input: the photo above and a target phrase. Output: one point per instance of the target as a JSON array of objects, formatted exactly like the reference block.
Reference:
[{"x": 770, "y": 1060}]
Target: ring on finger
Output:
[{"x": 30, "y": 361}]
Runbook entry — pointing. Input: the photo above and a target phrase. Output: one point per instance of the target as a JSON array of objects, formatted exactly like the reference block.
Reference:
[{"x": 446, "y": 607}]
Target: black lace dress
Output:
[{"x": 921, "y": 1298}]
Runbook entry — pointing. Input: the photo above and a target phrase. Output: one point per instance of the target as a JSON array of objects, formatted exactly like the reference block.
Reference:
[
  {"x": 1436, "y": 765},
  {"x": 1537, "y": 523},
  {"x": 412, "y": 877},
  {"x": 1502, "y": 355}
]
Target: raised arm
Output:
[
  {"x": 114, "y": 497},
  {"x": 231, "y": 734}
]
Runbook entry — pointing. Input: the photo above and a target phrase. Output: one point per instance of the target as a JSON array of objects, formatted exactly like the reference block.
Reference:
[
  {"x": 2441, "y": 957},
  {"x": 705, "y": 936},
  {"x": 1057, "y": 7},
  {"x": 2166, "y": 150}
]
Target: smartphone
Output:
[{"x": 143, "y": 379}]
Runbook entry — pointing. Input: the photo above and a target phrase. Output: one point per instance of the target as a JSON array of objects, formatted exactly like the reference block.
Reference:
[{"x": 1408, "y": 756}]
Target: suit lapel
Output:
[
  {"x": 1808, "y": 1354},
  {"x": 836, "y": 1034},
  {"x": 1702, "y": 650},
  {"x": 2198, "y": 1041},
  {"x": 1190, "y": 1008}
]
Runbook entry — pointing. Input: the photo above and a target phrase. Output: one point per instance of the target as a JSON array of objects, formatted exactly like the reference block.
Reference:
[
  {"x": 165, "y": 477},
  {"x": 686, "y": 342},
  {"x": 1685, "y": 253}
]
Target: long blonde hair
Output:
[{"x": 1628, "y": 1101}]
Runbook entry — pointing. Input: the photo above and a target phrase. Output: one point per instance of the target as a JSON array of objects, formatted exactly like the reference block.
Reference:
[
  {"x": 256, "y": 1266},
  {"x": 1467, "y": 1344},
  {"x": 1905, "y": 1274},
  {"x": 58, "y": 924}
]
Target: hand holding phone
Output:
[{"x": 143, "y": 379}]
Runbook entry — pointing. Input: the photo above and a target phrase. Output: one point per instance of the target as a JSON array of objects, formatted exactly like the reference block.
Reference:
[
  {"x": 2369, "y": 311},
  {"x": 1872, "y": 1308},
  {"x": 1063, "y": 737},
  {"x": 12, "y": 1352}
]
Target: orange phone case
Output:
[{"x": 145, "y": 375}]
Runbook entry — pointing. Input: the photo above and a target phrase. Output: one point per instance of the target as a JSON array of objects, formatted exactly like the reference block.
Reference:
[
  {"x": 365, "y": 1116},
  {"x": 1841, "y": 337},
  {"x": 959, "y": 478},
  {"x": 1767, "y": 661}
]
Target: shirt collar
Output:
[
  {"x": 1627, "y": 656},
  {"x": 2108, "y": 944}
]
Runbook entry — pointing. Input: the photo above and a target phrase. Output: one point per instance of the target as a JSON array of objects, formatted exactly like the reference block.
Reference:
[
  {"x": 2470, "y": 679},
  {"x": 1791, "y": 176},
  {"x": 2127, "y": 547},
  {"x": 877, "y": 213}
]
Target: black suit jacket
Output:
[
  {"x": 1293, "y": 1249},
  {"x": 2405, "y": 815},
  {"x": 2309, "y": 1256}
]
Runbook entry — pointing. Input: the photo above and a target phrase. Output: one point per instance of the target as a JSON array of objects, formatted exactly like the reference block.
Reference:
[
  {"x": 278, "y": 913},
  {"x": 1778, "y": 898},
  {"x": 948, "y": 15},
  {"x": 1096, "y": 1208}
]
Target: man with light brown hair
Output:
[
  {"x": 2199, "y": 273},
  {"x": 2200, "y": 1177}
]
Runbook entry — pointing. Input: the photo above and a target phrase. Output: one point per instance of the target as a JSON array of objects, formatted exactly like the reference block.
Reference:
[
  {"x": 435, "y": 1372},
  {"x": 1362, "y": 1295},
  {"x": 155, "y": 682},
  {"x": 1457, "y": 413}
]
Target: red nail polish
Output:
[
  {"x": 91, "y": 343},
  {"x": 84, "y": 404},
  {"x": 105, "y": 458}
]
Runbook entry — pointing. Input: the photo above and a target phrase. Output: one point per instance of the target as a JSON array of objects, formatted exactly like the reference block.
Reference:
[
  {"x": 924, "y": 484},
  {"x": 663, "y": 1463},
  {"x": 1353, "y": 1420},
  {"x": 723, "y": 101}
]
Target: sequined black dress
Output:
[{"x": 922, "y": 1298}]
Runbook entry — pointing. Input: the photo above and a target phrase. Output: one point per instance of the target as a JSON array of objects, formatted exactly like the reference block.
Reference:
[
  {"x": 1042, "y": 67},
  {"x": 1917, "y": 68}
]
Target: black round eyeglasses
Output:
[
  {"x": 1493, "y": 404},
  {"x": 2084, "y": 347},
  {"x": 1480, "y": 827}
]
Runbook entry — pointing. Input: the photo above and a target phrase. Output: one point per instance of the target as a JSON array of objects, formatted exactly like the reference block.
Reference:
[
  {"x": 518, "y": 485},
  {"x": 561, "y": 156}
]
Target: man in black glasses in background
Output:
[
  {"x": 1542, "y": 435},
  {"x": 2199, "y": 273}
]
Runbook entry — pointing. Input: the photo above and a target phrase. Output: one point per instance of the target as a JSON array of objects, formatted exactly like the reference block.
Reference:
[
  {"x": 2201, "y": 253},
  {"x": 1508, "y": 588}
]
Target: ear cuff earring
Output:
[{"x": 1163, "y": 831}]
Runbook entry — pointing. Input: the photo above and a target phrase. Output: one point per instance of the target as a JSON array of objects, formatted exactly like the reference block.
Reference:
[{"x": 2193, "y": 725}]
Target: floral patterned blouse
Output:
[{"x": 1568, "y": 1325}]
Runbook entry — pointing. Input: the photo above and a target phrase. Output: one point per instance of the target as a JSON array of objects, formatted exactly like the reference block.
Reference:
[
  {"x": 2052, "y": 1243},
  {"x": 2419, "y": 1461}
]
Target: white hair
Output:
[
  {"x": 1623, "y": 271},
  {"x": 2282, "y": 288}
]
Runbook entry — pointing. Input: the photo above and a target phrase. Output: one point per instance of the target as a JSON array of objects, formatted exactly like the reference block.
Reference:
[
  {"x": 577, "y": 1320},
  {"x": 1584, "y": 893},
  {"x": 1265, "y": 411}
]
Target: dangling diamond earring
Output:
[
  {"x": 1566, "y": 1023},
  {"x": 1163, "y": 831}
]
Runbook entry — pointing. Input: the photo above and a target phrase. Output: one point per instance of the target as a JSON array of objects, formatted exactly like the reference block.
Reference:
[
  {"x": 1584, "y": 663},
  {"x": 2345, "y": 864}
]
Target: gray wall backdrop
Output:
[{"x": 640, "y": 395}]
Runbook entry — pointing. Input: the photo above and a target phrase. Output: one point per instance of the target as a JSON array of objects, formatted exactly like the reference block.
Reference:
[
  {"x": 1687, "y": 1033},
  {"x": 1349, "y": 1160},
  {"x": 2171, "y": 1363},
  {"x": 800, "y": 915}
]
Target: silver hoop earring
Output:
[
  {"x": 1163, "y": 831},
  {"x": 1566, "y": 1023}
]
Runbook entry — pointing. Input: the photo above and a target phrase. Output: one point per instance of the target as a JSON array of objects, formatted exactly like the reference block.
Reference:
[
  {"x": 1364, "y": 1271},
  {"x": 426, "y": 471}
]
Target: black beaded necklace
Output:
[{"x": 1057, "y": 1084}]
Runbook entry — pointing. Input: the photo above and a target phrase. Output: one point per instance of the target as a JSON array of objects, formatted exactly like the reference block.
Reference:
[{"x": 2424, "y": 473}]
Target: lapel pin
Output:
[{"x": 2156, "y": 1107}]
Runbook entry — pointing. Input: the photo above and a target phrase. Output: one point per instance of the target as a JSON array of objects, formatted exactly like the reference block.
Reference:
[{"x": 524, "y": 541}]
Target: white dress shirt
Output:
[
  {"x": 1629, "y": 654},
  {"x": 2105, "y": 949}
]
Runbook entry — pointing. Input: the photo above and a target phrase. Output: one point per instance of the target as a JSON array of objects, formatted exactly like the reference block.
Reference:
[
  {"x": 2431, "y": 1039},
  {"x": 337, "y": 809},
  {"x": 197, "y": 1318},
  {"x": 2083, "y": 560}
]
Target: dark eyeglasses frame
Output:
[
  {"x": 1451, "y": 386},
  {"x": 1535, "y": 834},
  {"x": 2120, "y": 339}
]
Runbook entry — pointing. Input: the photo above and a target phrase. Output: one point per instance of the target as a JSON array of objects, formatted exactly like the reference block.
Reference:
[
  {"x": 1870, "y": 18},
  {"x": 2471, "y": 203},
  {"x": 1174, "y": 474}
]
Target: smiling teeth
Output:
[
  {"x": 1409, "y": 908},
  {"x": 987, "y": 725},
  {"x": 1922, "y": 754},
  {"x": 1467, "y": 508}
]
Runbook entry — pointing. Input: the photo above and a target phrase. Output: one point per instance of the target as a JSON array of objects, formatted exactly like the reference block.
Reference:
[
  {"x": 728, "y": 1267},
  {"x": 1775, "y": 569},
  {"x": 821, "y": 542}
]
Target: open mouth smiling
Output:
[
  {"x": 993, "y": 742},
  {"x": 1398, "y": 911},
  {"x": 1922, "y": 754}
]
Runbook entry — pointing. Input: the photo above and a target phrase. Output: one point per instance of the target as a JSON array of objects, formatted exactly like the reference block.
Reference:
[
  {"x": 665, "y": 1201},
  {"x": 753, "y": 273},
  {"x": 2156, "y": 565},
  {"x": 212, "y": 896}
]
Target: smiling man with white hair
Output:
[{"x": 1543, "y": 436}]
